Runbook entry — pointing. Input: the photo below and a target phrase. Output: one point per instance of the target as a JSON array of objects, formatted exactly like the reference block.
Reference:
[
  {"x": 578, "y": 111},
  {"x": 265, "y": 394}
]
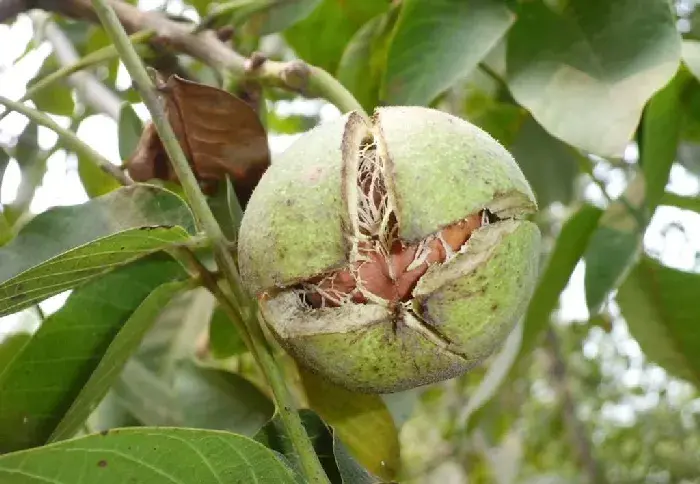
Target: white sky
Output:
[{"x": 61, "y": 186}]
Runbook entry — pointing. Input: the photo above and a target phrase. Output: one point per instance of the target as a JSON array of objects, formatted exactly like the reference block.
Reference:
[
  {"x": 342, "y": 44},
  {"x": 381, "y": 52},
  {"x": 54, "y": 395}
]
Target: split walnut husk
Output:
[{"x": 391, "y": 254}]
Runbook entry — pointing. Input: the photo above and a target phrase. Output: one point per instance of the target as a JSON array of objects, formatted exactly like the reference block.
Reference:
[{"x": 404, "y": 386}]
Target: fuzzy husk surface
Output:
[{"x": 326, "y": 232}]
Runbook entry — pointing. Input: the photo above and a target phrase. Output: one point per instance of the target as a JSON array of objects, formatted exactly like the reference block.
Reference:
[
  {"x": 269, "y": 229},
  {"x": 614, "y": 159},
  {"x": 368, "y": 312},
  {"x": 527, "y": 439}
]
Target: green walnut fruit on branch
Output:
[{"x": 391, "y": 253}]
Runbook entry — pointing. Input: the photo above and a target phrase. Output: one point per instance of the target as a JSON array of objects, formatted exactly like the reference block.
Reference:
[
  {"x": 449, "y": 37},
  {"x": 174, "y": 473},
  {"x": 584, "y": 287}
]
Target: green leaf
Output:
[
  {"x": 691, "y": 111},
  {"x": 320, "y": 38},
  {"x": 689, "y": 148},
  {"x": 27, "y": 147},
  {"x": 224, "y": 339},
  {"x": 129, "y": 130},
  {"x": 95, "y": 181},
  {"x": 193, "y": 396},
  {"x": 437, "y": 43},
  {"x": 98, "y": 39},
  {"x": 279, "y": 15},
  {"x": 147, "y": 396},
  {"x": 273, "y": 436},
  {"x": 568, "y": 250},
  {"x": 10, "y": 346},
  {"x": 292, "y": 124},
  {"x": 585, "y": 73},
  {"x": 351, "y": 472},
  {"x": 340, "y": 466},
  {"x": 4, "y": 161},
  {"x": 217, "y": 399},
  {"x": 659, "y": 135},
  {"x": 498, "y": 370},
  {"x": 362, "y": 422},
  {"x": 691, "y": 56},
  {"x": 615, "y": 245},
  {"x": 77, "y": 32},
  {"x": 227, "y": 209},
  {"x": 112, "y": 362},
  {"x": 148, "y": 455},
  {"x": 549, "y": 165},
  {"x": 66, "y": 246},
  {"x": 58, "y": 99},
  {"x": 362, "y": 66},
  {"x": 110, "y": 414},
  {"x": 201, "y": 6},
  {"x": 659, "y": 305},
  {"x": 40, "y": 385},
  {"x": 6, "y": 233},
  {"x": 502, "y": 120},
  {"x": 178, "y": 333}
]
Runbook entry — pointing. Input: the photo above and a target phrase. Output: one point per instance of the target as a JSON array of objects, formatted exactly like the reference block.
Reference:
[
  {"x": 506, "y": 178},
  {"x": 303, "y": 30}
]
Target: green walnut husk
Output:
[{"x": 309, "y": 211}]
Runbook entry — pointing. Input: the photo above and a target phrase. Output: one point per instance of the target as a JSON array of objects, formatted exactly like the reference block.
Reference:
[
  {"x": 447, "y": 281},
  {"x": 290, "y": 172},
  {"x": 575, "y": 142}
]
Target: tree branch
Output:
[
  {"x": 577, "y": 432},
  {"x": 9, "y": 9},
  {"x": 205, "y": 46},
  {"x": 89, "y": 90},
  {"x": 102, "y": 55},
  {"x": 69, "y": 138}
]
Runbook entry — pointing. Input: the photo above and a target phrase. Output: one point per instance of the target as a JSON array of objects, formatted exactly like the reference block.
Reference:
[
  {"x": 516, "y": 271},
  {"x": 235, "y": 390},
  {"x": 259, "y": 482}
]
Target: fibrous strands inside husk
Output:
[{"x": 382, "y": 267}]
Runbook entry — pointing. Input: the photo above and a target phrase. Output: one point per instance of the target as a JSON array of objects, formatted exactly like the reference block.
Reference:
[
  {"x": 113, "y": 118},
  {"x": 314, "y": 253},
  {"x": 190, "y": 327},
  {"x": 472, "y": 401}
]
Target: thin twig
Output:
[
  {"x": 495, "y": 76},
  {"x": 102, "y": 55},
  {"x": 243, "y": 310},
  {"x": 70, "y": 139},
  {"x": 88, "y": 89},
  {"x": 681, "y": 201}
]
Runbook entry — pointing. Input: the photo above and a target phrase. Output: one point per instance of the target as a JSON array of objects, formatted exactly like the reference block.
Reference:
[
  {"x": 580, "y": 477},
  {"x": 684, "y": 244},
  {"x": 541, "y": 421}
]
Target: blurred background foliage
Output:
[{"x": 598, "y": 100}]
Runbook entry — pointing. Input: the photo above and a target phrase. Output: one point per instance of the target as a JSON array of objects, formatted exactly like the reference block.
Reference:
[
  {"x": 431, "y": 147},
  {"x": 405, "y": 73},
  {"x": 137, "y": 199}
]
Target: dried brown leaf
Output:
[{"x": 219, "y": 133}]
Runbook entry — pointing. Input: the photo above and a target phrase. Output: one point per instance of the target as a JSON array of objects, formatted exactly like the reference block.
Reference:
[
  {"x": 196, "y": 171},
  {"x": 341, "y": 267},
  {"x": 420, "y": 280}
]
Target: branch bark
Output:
[
  {"x": 9, "y": 9},
  {"x": 205, "y": 46}
]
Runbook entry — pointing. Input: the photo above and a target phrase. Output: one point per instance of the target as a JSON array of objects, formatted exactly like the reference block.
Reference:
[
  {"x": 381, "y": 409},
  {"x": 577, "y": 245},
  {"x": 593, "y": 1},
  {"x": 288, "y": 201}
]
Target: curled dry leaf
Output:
[{"x": 219, "y": 133}]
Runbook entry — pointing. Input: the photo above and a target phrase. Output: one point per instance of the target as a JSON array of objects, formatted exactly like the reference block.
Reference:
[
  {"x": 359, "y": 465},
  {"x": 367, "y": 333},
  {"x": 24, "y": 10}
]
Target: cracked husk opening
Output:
[
  {"x": 382, "y": 269},
  {"x": 292, "y": 308},
  {"x": 383, "y": 266}
]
